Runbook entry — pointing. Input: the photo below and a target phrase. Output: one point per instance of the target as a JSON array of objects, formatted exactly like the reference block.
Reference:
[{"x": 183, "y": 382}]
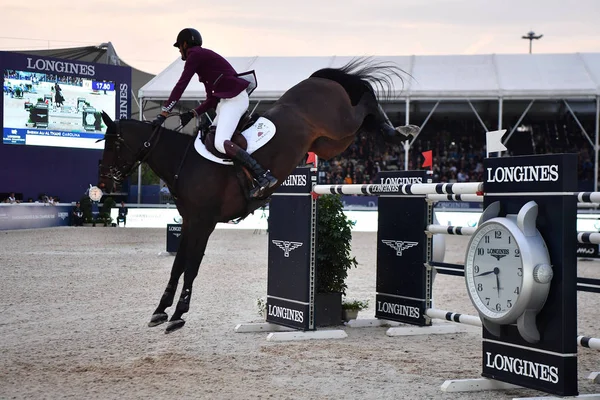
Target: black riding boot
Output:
[
  {"x": 388, "y": 130},
  {"x": 263, "y": 178}
]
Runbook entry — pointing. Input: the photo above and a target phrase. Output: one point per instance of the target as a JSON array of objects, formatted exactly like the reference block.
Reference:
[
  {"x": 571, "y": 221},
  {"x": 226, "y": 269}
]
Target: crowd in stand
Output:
[
  {"x": 42, "y": 199},
  {"x": 457, "y": 157}
]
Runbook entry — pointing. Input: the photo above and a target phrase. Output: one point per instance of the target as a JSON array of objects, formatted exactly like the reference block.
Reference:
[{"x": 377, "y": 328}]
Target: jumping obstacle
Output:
[
  {"x": 550, "y": 182},
  {"x": 557, "y": 202},
  {"x": 292, "y": 309}
]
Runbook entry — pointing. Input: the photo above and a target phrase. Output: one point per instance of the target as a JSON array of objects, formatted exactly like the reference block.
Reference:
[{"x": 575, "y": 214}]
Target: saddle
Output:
[{"x": 208, "y": 135}]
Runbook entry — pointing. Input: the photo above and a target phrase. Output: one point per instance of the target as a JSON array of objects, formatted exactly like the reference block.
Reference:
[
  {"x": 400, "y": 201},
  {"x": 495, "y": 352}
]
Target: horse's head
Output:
[{"x": 126, "y": 144}]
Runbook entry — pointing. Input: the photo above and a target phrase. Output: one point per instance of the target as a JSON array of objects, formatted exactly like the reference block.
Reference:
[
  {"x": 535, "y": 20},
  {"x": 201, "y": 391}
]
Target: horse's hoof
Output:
[
  {"x": 158, "y": 319},
  {"x": 409, "y": 130},
  {"x": 172, "y": 326}
]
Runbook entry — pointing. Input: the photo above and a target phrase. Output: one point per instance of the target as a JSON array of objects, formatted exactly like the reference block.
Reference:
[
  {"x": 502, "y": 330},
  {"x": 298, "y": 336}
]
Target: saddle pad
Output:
[{"x": 257, "y": 136}]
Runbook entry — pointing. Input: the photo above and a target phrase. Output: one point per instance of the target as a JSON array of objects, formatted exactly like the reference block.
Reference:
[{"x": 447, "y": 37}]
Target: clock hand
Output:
[
  {"x": 497, "y": 271},
  {"x": 486, "y": 273}
]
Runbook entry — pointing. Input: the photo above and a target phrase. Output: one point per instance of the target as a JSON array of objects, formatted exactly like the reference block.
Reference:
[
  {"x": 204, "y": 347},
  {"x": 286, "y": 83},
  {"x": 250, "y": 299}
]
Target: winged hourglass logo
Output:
[
  {"x": 399, "y": 245},
  {"x": 286, "y": 246}
]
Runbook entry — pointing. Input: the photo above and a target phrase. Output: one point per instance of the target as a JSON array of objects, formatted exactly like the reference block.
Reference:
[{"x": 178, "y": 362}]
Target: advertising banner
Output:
[{"x": 28, "y": 216}]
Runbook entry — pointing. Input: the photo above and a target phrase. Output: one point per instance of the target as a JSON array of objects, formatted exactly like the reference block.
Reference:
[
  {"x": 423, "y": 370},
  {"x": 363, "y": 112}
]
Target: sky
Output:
[{"x": 143, "y": 31}]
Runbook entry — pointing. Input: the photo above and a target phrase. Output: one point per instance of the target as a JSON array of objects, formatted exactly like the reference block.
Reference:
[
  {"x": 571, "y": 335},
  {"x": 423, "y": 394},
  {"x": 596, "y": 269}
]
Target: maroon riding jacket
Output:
[{"x": 218, "y": 76}]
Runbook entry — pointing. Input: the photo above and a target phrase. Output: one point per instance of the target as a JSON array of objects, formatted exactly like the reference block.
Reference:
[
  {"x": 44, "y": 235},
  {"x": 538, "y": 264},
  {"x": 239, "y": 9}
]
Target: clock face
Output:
[
  {"x": 95, "y": 193},
  {"x": 494, "y": 270}
]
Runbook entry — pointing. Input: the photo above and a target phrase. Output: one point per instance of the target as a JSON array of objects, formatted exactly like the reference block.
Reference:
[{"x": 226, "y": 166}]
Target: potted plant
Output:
[
  {"x": 350, "y": 308},
  {"x": 86, "y": 208},
  {"x": 108, "y": 204},
  {"x": 261, "y": 304},
  {"x": 333, "y": 260}
]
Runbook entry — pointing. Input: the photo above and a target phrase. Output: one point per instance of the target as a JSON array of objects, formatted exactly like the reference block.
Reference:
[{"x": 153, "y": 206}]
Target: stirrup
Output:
[
  {"x": 268, "y": 181},
  {"x": 267, "y": 176}
]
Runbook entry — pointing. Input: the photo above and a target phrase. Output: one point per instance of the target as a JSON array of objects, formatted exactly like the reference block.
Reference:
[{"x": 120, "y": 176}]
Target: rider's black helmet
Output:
[{"x": 189, "y": 35}]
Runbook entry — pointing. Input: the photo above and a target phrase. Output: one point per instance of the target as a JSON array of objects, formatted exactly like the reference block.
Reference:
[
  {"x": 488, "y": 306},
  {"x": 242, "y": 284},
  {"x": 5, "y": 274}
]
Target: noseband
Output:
[{"x": 122, "y": 169}]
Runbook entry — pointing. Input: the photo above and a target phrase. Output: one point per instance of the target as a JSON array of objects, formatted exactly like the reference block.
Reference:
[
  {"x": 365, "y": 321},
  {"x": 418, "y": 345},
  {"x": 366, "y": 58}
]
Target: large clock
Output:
[
  {"x": 508, "y": 270},
  {"x": 95, "y": 193}
]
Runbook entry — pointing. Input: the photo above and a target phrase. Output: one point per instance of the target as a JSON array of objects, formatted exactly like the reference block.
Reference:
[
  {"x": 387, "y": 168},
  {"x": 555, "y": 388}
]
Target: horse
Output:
[{"x": 322, "y": 114}]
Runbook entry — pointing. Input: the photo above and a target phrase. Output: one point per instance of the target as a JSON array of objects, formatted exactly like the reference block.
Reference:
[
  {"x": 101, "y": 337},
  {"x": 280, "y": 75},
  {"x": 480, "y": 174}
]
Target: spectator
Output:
[
  {"x": 165, "y": 195},
  {"x": 122, "y": 217},
  {"x": 77, "y": 215},
  {"x": 165, "y": 190},
  {"x": 12, "y": 199}
]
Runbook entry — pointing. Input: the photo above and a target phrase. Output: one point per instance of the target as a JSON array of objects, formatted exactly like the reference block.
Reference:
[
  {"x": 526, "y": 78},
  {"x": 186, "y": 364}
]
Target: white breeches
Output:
[{"x": 229, "y": 112}]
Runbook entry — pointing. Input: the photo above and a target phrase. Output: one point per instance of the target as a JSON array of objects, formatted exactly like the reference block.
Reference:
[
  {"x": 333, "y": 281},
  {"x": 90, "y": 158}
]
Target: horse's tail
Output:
[{"x": 362, "y": 75}]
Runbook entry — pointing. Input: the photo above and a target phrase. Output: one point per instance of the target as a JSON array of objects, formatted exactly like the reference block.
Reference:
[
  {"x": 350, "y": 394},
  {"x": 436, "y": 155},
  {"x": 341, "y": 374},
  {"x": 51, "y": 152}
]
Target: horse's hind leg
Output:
[
  {"x": 160, "y": 316},
  {"x": 377, "y": 121},
  {"x": 198, "y": 233}
]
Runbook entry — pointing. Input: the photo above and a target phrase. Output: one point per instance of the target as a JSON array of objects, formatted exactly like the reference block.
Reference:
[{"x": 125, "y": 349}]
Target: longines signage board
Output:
[
  {"x": 173, "y": 237},
  {"x": 551, "y": 364},
  {"x": 535, "y": 173},
  {"x": 289, "y": 279},
  {"x": 401, "y": 247}
]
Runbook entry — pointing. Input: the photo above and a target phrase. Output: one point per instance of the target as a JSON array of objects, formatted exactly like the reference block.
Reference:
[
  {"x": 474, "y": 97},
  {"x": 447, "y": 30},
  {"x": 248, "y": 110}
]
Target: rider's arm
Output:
[
  {"x": 189, "y": 70},
  {"x": 210, "y": 102}
]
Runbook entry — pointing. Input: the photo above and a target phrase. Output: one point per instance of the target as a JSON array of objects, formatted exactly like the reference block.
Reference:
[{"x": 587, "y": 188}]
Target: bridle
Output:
[{"x": 121, "y": 168}]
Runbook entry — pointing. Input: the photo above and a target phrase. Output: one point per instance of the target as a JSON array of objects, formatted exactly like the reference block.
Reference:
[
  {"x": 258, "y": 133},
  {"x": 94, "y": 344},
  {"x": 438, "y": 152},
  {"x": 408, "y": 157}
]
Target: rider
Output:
[{"x": 225, "y": 91}]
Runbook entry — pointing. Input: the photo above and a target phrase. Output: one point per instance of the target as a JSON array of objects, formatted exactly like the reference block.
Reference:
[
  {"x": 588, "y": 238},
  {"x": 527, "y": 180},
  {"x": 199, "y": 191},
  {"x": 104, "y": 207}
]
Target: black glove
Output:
[
  {"x": 185, "y": 118},
  {"x": 158, "y": 121}
]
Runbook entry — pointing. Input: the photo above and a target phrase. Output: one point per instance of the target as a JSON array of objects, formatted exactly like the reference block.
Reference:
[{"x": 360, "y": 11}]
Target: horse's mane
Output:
[{"x": 364, "y": 74}]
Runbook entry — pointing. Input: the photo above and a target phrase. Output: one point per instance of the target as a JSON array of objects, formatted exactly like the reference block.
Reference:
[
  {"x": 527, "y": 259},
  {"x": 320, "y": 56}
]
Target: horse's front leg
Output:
[
  {"x": 160, "y": 316},
  {"x": 198, "y": 233}
]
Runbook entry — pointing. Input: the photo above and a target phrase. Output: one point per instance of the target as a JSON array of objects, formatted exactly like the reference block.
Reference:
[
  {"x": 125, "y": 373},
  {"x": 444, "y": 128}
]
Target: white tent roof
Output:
[{"x": 518, "y": 76}]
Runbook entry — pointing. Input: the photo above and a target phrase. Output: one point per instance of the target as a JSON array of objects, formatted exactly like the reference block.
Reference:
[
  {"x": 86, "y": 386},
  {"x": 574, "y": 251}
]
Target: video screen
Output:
[{"x": 48, "y": 109}]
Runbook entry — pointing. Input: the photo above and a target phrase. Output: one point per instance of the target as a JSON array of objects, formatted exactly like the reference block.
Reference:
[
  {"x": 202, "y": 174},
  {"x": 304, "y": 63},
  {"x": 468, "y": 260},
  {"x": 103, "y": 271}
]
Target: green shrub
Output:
[
  {"x": 334, "y": 236},
  {"x": 355, "y": 304},
  {"x": 86, "y": 207}
]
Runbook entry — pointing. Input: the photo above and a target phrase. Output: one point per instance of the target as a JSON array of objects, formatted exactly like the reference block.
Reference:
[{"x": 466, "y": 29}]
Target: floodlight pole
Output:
[{"x": 531, "y": 36}]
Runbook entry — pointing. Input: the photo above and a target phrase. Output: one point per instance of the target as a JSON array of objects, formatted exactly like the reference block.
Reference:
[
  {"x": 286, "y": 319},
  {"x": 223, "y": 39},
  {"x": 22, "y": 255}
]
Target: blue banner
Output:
[
  {"x": 21, "y": 134},
  {"x": 28, "y": 216},
  {"x": 14, "y": 136},
  {"x": 372, "y": 202},
  {"x": 108, "y": 86}
]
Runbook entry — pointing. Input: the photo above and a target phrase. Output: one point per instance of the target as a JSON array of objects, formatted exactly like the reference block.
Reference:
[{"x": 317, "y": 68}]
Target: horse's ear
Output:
[{"x": 110, "y": 124}]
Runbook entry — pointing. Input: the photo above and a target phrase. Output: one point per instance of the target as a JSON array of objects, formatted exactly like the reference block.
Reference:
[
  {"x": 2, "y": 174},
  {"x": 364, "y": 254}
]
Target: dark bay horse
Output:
[{"x": 322, "y": 114}]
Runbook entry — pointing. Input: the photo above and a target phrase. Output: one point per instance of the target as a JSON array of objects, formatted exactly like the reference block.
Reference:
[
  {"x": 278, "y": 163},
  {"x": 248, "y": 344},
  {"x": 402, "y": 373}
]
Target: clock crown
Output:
[{"x": 543, "y": 273}]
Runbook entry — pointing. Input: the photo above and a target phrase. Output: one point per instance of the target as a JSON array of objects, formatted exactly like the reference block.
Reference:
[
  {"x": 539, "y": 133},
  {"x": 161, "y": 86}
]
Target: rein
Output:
[
  {"x": 142, "y": 154},
  {"x": 121, "y": 172}
]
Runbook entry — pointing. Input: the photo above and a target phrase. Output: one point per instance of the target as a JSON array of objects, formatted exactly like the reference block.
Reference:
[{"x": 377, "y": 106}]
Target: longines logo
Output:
[
  {"x": 378, "y": 188},
  {"x": 399, "y": 245},
  {"x": 517, "y": 366},
  {"x": 60, "y": 66},
  {"x": 401, "y": 181},
  {"x": 123, "y": 101},
  {"x": 285, "y": 313},
  {"x": 63, "y": 215},
  {"x": 526, "y": 173},
  {"x": 295, "y": 180},
  {"x": 177, "y": 234},
  {"x": 398, "y": 309},
  {"x": 498, "y": 253},
  {"x": 286, "y": 246}
]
